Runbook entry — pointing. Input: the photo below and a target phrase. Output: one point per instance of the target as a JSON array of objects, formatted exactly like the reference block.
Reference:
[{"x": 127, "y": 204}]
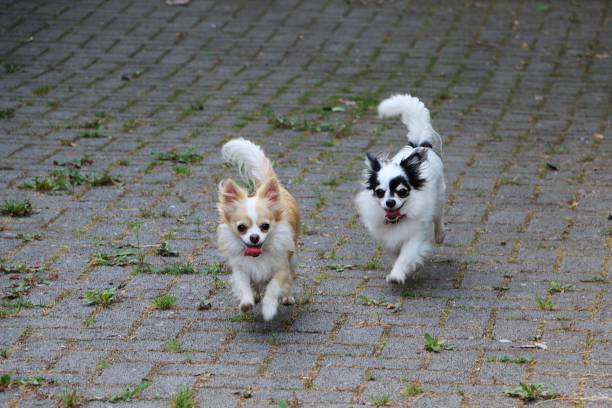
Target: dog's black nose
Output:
[
  {"x": 254, "y": 238},
  {"x": 390, "y": 203}
]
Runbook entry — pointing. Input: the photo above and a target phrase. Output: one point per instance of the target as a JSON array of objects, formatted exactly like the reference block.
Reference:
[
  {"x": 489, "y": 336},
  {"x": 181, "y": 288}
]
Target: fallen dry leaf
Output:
[{"x": 535, "y": 345}]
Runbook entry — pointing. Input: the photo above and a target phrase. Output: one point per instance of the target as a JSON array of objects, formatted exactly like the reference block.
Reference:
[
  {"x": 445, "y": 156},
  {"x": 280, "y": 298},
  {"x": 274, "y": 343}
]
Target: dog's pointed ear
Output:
[
  {"x": 270, "y": 190},
  {"x": 412, "y": 168},
  {"x": 372, "y": 162},
  {"x": 230, "y": 194}
]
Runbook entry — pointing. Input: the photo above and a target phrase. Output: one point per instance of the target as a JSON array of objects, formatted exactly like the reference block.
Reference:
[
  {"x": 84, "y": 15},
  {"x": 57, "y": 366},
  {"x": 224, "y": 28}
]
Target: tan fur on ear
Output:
[
  {"x": 230, "y": 194},
  {"x": 270, "y": 190}
]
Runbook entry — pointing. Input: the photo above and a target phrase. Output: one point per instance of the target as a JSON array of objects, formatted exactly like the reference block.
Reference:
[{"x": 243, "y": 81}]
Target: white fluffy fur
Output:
[
  {"x": 248, "y": 158},
  {"x": 414, "y": 115},
  {"x": 411, "y": 238}
]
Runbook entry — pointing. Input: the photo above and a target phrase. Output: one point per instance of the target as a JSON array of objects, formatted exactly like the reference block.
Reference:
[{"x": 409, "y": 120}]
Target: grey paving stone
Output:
[
  {"x": 518, "y": 91},
  {"x": 124, "y": 373},
  {"x": 79, "y": 361}
]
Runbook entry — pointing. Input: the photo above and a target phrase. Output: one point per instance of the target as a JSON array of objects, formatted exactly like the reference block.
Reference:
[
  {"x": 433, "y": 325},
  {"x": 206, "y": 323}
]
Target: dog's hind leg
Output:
[{"x": 288, "y": 298}]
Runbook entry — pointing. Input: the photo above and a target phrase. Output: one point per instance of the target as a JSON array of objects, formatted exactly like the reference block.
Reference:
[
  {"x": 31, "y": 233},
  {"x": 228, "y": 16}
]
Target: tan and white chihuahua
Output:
[{"x": 258, "y": 234}]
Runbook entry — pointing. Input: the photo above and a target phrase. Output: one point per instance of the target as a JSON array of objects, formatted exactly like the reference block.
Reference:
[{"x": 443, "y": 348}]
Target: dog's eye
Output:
[
  {"x": 264, "y": 227},
  {"x": 380, "y": 193},
  {"x": 403, "y": 192},
  {"x": 242, "y": 228}
]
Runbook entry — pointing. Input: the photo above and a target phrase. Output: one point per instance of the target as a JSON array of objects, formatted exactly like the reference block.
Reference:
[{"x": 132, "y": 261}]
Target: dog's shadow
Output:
[{"x": 438, "y": 275}]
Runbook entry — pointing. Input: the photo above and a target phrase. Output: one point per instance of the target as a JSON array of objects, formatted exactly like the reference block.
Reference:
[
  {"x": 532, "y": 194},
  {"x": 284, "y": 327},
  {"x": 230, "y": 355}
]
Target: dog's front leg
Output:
[
  {"x": 280, "y": 285},
  {"x": 241, "y": 285},
  {"x": 409, "y": 258}
]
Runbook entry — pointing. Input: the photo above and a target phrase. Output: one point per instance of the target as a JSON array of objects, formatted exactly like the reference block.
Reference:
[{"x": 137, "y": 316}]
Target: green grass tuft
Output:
[
  {"x": 509, "y": 360},
  {"x": 556, "y": 287},
  {"x": 118, "y": 257},
  {"x": 185, "y": 268},
  {"x": 435, "y": 345},
  {"x": 214, "y": 268},
  {"x": 545, "y": 303},
  {"x": 244, "y": 317},
  {"x": 100, "y": 297},
  {"x": 412, "y": 390},
  {"x": 381, "y": 400},
  {"x": 16, "y": 208},
  {"x": 130, "y": 392},
  {"x": 188, "y": 156},
  {"x": 164, "y": 302},
  {"x": 68, "y": 178},
  {"x": 530, "y": 392},
  {"x": 41, "y": 90},
  {"x": 184, "y": 398},
  {"x": 174, "y": 346},
  {"x": 70, "y": 399},
  {"x": 7, "y": 113},
  {"x": 10, "y": 68}
]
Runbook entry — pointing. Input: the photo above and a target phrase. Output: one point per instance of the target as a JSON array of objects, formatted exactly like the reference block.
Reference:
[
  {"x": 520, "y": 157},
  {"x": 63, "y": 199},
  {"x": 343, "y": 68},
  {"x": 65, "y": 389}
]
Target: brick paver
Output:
[{"x": 520, "y": 92}]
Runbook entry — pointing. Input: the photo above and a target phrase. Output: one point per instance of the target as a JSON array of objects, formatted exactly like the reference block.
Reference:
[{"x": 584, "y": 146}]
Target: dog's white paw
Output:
[
  {"x": 269, "y": 309},
  {"x": 288, "y": 300},
  {"x": 396, "y": 278}
]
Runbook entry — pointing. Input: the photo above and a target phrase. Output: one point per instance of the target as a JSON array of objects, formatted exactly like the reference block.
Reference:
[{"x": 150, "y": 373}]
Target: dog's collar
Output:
[{"x": 396, "y": 221}]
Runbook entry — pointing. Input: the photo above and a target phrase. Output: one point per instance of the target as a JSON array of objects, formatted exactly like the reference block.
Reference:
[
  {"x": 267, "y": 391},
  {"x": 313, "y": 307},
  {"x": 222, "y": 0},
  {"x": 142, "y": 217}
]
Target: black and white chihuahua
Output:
[{"x": 403, "y": 197}]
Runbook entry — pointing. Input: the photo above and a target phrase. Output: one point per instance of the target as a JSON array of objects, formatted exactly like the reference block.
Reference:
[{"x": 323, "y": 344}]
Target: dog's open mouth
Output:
[
  {"x": 393, "y": 216},
  {"x": 253, "y": 250}
]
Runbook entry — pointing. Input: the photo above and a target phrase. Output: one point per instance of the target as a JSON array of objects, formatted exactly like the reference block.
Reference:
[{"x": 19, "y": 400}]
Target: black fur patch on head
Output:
[
  {"x": 374, "y": 163},
  {"x": 372, "y": 173},
  {"x": 412, "y": 168},
  {"x": 372, "y": 180},
  {"x": 396, "y": 182},
  {"x": 424, "y": 144}
]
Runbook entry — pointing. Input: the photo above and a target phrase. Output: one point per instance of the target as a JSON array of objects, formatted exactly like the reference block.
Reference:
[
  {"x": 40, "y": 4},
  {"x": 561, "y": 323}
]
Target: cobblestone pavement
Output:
[{"x": 103, "y": 100}]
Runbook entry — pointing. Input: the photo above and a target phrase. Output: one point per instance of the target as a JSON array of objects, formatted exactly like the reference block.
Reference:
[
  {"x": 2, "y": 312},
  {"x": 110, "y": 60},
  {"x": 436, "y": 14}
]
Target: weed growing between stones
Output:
[
  {"x": 184, "y": 398},
  {"x": 164, "y": 302},
  {"x": 99, "y": 297},
  {"x": 130, "y": 392},
  {"x": 531, "y": 392},
  {"x": 16, "y": 207},
  {"x": 434, "y": 344}
]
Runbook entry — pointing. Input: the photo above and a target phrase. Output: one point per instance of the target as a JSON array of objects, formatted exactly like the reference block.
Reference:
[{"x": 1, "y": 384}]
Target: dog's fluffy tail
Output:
[
  {"x": 249, "y": 159},
  {"x": 415, "y": 116}
]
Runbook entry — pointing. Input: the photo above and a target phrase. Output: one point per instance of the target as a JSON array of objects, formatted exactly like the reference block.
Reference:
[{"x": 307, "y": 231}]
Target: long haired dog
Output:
[
  {"x": 258, "y": 233},
  {"x": 401, "y": 204}
]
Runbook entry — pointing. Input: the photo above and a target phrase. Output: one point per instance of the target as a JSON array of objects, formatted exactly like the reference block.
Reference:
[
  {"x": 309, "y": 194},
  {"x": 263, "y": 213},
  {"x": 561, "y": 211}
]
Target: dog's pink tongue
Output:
[
  {"x": 253, "y": 251},
  {"x": 392, "y": 213}
]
